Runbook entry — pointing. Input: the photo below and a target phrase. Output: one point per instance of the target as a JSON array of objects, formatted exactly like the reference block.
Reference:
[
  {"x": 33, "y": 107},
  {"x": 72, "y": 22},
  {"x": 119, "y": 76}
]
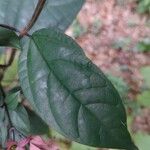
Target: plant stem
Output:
[
  {"x": 9, "y": 27},
  {"x": 24, "y": 32},
  {"x": 12, "y": 56},
  {"x": 30, "y": 24},
  {"x": 34, "y": 18}
]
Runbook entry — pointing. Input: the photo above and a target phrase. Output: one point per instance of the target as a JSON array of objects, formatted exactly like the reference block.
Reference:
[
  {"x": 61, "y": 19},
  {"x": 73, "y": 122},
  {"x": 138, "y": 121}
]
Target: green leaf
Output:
[
  {"x": 3, "y": 122},
  {"x": 23, "y": 119},
  {"x": 9, "y": 38},
  {"x": 3, "y": 127},
  {"x": 27, "y": 122},
  {"x": 58, "y": 13},
  {"x": 20, "y": 119},
  {"x": 70, "y": 93},
  {"x": 13, "y": 98},
  {"x": 37, "y": 125}
]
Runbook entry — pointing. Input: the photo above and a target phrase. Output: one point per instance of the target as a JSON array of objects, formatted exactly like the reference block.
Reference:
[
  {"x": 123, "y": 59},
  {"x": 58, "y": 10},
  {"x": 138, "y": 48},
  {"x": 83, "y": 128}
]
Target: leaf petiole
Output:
[
  {"x": 9, "y": 27},
  {"x": 34, "y": 18}
]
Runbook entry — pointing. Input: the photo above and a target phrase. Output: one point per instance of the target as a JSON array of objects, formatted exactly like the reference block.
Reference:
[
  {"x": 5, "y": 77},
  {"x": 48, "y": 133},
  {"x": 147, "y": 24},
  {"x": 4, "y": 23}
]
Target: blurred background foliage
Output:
[
  {"x": 143, "y": 6},
  {"x": 116, "y": 37}
]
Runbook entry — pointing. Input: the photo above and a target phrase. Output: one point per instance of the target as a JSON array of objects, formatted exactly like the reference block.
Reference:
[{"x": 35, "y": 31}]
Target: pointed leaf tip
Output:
[{"x": 70, "y": 93}]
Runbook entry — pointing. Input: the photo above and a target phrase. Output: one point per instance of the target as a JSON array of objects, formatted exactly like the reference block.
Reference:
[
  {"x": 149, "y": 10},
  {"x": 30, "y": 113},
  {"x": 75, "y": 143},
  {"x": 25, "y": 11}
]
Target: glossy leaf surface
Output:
[
  {"x": 8, "y": 38},
  {"x": 58, "y": 13},
  {"x": 70, "y": 93}
]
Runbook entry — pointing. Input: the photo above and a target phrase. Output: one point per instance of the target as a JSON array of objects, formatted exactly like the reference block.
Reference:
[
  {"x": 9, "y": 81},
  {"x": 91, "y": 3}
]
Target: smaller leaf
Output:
[
  {"x": 3, "y": 133},
  {"x": 12, "y": 99},
  {"x": 24, "y": 119},
  {"x": 9, "y": 38},
  {"x": 20, "y": 119},
  {"x": 1, "y": 98},
  {"x": 2, "y": 115},
  {"x": 37, "y": 125},
  {"x": 27, "y": 122},
  {"x": 3, "y": 127}
]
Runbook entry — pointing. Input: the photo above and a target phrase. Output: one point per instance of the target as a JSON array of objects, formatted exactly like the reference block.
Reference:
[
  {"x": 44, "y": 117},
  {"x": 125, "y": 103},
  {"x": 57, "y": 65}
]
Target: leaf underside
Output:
[
  {"x": 70, "y": 93},
  {"x": 58, "y": 13},
  {"x": 9, "y": 38}
]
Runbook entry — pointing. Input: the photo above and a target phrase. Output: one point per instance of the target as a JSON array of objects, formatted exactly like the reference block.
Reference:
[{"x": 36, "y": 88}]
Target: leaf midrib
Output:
[
  {"x": 100, "y": 122},
  {"x": 58, "y": 80},
  {"x": 81, "y": 104}
]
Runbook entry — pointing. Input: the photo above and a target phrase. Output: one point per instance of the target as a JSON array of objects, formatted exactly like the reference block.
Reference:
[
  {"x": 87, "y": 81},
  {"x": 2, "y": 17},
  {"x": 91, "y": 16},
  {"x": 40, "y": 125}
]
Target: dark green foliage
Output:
[
  {"x": 8, "y": 38},
  {"x": 23, "y": 119},
  {"x": 3, "y": 127},
  {"x": 65, "y": 89},
  {"x": 70, "y": 93},
  {"x": 58, "y": 13}
]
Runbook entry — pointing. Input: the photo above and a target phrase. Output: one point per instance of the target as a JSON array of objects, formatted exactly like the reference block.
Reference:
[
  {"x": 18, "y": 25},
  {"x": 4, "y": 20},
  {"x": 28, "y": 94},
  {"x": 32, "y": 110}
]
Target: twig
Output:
[
  {"x": 13, "y": 29},
  {"x": 30, "y": 24},
  {"x": 34, "y": 18},
  {"x": 9, "y": 27},
  {"x": 12, "y": 56}
]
